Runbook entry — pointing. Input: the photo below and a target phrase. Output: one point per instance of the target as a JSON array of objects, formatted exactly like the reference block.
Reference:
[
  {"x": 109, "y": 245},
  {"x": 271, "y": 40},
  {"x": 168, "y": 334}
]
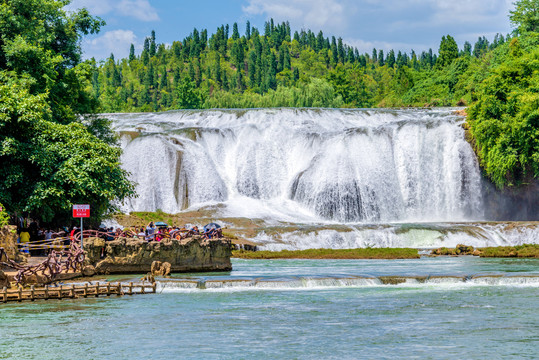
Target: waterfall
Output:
[{"x": 319, "y": 165}]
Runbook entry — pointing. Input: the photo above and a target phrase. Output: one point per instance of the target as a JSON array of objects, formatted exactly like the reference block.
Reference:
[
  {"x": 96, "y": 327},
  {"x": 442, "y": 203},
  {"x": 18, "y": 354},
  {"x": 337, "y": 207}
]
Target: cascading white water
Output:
[{"x": 304, "y": 165}]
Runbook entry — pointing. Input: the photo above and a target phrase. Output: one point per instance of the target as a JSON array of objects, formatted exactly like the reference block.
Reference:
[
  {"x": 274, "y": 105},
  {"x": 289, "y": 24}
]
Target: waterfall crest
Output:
[{"x": 304, "y": 164}]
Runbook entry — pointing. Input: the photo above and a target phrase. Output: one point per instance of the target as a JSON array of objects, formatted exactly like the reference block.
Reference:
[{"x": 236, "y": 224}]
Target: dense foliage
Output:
[
  {"x": 51, "y": 156},
  {"x": 504, "y": 121}
]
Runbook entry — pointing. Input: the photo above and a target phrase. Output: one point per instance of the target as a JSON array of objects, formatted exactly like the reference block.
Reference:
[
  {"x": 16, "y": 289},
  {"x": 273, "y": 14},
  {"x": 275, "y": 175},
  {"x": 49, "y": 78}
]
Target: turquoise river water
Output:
[{"x": 447, "y": 308}]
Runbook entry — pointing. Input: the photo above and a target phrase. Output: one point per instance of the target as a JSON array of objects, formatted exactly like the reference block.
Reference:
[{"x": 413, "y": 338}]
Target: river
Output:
[{"x": 463, "y": 308}]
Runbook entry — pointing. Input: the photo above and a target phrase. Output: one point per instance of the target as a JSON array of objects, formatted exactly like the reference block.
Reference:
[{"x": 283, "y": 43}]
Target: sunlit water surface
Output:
[{"x": 297, "y": 309}]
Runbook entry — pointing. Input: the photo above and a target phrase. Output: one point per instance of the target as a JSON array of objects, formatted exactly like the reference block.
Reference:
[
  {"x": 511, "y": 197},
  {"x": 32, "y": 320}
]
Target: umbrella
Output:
[
  {"x": 161, "y": 224},
  {"x": 211, "y": 226}
]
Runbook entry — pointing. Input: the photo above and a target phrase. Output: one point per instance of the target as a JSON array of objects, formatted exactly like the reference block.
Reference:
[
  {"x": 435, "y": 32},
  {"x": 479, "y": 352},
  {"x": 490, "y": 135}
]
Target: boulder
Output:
[
  {"x": 88, "y": 270},
  {"x": 160, "y": 268}
]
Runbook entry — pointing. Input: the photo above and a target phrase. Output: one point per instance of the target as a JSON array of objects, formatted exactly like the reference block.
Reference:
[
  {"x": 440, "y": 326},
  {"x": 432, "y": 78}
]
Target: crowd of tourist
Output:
[
  {"x": 29, "y": 231},
  {"x": 159, "y": 231}
]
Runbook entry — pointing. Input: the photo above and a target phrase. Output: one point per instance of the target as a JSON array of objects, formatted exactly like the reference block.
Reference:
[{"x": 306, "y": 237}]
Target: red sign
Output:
[{"x": 81, "y": 211}]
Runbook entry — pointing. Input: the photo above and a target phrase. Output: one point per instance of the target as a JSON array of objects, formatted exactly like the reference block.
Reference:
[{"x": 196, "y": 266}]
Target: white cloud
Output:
[
  {"x": 96, "y": 7},
  {"x": 465, "y": 11},
  {"x": 315, "y": 14},
  {"x": 390, "y": 24},
  {"x": 138, "y": 9},
  {"x": 117, "y": 42}
]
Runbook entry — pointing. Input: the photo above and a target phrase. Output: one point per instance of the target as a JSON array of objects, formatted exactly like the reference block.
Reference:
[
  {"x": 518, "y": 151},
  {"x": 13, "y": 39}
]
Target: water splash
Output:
[
  {"x": 320, "y": 283},
  {"x": 332, "y": 165}
]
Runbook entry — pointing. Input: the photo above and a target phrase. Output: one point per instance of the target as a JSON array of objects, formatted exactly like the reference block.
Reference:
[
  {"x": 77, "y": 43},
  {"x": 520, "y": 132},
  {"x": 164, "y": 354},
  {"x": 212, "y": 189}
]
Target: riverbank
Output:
[
  {"x": 368, "y": 253},
  {"x": 521, "y": 251}
]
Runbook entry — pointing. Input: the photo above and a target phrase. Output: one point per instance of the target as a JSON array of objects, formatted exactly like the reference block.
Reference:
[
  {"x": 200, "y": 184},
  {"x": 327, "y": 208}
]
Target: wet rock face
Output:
[
  {"x": 515, "y": 204},
  {"x": 136, "y": 256}
]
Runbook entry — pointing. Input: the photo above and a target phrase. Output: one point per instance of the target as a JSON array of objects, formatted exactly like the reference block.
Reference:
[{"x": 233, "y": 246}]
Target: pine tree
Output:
[
  {"x": 145, "y": 52},
  {"x": 320, "y": 41},
  {"x": 163, "y": 80},
  {"x": 248, "y": 30},
  {"x": 340, "y": 50},
  {"x": 203, "y": 39},
  {"x": 448, "y": 52},
  {"x": 132, "y": 53},
  {"x": 390, "y": 60},
  {"x": 335, "y": 55},
  {"x": 153, "y": 46},
  {"x": 235, "y": 32},
  {"x": 251, "y": 66}
]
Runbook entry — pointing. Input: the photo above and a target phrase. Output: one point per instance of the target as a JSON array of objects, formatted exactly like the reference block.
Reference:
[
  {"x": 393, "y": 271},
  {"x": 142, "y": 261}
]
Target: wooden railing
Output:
[{"x": 76, "y": 291}]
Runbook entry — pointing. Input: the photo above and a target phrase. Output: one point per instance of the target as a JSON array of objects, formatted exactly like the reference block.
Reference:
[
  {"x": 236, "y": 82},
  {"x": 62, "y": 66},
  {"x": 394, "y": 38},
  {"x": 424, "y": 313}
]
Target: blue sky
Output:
[{"x": 384, "y": 24}]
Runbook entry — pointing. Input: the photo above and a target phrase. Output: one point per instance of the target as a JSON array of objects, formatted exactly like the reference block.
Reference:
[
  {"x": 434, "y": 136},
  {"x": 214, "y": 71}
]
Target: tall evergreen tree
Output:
[
  {"x": 248, "y": 30},
  {"x": 381, "y": 59},
  {"x": 390, "y": 60},
  {"x": 448, "y": 52},
  {"x": 132, "y": 53},
  {"x": 235, "y": 32},
  {"x": 153, "y": 46}
]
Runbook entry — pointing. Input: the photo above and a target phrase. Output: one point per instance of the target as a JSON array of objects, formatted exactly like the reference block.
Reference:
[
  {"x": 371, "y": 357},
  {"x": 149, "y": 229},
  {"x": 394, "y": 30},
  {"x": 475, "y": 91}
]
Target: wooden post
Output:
[
  {"x": 119, "y": 288},
  {"x": 97, "y": 289},
  {"x": 60, "y": 292},
  {"x": 46, "y": 292},
  {"x": 131, "y": 288},
  {"x": 32, "y": 292},
  {"x": 108, "y": 289},
  {"x": 72, "y": 291},
  {"x": 20, "y": 294},
  {"x": 5, "y": 294},
  {"x": 154, "y": 286},
  {"x": 85, "y": 293},
  {"x": 142, "y": 288}
]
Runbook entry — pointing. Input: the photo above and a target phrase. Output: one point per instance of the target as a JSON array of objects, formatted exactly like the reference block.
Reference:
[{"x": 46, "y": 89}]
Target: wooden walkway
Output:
[{"x": 76, "y": 291}]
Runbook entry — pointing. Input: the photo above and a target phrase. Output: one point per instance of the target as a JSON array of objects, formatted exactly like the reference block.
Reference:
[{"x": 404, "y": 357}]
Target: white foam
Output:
[
  {"x": 443, "y": 283},
  {"x": 298, "y": 165}
]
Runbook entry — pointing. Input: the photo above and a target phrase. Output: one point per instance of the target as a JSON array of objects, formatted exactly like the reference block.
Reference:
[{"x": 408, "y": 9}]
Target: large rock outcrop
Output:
[{"x": 136, "y": 256}]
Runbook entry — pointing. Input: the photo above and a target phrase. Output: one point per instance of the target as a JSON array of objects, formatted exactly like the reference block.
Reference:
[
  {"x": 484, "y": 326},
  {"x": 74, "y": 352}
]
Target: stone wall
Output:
[{"x": 123, "y": 255}]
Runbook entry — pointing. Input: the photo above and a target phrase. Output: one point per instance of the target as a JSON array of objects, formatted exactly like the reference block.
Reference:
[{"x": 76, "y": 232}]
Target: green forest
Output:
[
  {"x": 56, "y": 151},
  {"x": 276, "y": 68}
]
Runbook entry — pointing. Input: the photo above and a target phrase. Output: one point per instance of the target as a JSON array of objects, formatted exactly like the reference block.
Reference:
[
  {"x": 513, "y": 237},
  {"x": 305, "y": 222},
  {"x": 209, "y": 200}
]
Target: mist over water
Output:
[
  {"x": 317, "y": 177},
  {"x": 318, "y": 165}
]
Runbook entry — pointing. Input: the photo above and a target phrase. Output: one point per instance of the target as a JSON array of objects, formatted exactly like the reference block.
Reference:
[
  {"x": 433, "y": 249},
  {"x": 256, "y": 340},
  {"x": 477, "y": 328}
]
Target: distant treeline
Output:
[{"x": 273, "y": 69}]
